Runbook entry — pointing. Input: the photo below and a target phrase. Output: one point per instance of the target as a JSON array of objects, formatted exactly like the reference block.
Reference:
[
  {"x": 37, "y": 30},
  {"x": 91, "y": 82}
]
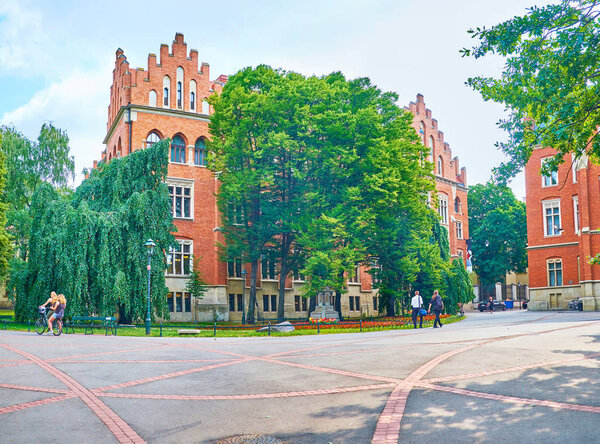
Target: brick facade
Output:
[
  {"x": 450, "y": 178},
  {"x": 563, "y": 231},
  {"x": 140, "y": 106}
]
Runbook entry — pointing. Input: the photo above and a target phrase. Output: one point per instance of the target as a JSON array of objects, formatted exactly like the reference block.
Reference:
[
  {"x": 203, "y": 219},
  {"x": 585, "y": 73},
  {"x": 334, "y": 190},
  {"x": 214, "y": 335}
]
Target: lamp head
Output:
[{"x": 150, "y": 246}]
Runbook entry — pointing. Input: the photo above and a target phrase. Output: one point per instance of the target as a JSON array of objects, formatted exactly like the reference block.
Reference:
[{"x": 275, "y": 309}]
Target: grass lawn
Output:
[{"x": 207, "y": 330}]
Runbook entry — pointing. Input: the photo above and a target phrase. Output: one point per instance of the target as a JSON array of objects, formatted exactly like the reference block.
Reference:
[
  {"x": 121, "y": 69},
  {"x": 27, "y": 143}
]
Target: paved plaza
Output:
[{"x": 505, "y": 377}]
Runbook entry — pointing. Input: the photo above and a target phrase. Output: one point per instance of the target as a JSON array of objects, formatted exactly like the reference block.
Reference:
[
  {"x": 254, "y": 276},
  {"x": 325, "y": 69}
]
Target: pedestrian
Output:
[
  {"x": 491, "y": 305},
  {"x": 438, "y": 306},
  {"x": 59, "y": 311},
  {"x": 417, "y": 304}
]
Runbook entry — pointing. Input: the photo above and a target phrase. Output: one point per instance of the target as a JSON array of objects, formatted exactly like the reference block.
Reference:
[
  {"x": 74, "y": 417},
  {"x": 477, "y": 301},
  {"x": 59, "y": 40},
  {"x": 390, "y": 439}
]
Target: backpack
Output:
[{"x": 437, "y": 303}]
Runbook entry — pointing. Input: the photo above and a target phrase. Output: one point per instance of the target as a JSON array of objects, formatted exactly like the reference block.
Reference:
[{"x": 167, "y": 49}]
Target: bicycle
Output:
[{"x": 41, "y": 323}]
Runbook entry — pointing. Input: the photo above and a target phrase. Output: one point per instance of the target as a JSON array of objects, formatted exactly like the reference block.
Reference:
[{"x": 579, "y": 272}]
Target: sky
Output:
[{"x": 56, "y": 58}]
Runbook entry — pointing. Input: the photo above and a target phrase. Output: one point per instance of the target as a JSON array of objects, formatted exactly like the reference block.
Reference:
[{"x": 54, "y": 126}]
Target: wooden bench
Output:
[{"x": 91, "y": 322}]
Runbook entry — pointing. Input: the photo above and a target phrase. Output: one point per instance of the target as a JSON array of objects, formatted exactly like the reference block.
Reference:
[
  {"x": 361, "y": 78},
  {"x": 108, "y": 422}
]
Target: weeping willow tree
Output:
[{"x": 90, "y": 245}]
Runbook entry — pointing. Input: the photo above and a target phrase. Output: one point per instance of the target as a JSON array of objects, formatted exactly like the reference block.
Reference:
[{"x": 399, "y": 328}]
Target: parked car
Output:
[{"x": 482, "y": 306}]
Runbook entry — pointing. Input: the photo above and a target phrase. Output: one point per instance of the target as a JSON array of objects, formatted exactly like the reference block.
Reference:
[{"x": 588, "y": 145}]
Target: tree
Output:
[
  {"x": 498, "y": 228},
  {"x": 6, "y": 250},
  {"x": 196, "y": 285},
  {"x": 90, "y": 245},
  {"x": 550, "y": 83}
]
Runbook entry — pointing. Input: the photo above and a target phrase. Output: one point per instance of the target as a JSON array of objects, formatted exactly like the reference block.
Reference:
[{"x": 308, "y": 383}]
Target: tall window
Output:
[
  {"x": 576, "y": 213},
  {"x": 166, "y": 89},
  {"x": 200, "y": 152},
  {"x": 178, "y": 149},
  {"x": 300, "y": 303},
  {"x": 555, "y": 272},
  {"x": 422, "y": 131},
  {"x": 152, "y": 139},
  {"x": 440, "y": 166},
  {"x": 269, "y": 268},
  {"x": 431, "y": 147},
  {"x": 459, "y": 232},
  {"x": 193, "y": 95},
  {"x": 181, "y": 259},
  {"x": 152, "y": 98},
  {"x": 180, "y": 87},
  {"x": 234, "y": 268},
  {"x": 552, "y": 179},
  {"x": 354, "y": 276},
  {"x": 354, "y": 302},
  {"x": 552, "y": 225},
  {"x": 443, "y": 208},
  {"x": 179, "y": 302},
  {"x": 457, "y": 206},
  {"x": 205, "y": 107},
  {"x": 269, "y": 302},
  {"x": 181, "y": 201}
]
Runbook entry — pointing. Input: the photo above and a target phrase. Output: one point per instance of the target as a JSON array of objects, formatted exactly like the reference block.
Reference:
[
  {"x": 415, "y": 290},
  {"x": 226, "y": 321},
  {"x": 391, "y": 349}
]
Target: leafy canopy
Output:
[{"x": 550, "y": 84}]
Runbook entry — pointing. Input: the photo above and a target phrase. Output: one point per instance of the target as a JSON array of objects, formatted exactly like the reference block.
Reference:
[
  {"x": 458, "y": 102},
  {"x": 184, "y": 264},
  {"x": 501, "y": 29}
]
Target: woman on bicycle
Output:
[
  {"x": 59, "y": 311},
  {"x": 51, "y": 300}
]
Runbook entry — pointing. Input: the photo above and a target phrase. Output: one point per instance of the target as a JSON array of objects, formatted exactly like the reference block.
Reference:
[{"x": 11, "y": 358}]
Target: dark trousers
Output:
[
  {"x": 417, "y": 312},
  {"x": 437, "y": 318}
]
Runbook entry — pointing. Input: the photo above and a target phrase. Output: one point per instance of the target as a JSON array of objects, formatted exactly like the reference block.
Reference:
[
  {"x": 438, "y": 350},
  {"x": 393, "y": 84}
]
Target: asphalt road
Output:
[{"x": 512, "y": 376}]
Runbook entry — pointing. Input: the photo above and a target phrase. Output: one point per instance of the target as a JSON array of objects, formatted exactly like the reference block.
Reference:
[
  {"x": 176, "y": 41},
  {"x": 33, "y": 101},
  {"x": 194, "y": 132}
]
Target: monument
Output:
[{"x": 324, "y": 306}]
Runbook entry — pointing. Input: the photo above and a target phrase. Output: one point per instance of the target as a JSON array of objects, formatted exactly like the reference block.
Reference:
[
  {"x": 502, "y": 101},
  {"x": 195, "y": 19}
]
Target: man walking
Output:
[
  {"x": 416, "y": 303},
  {"x": 438, "y": 306}
]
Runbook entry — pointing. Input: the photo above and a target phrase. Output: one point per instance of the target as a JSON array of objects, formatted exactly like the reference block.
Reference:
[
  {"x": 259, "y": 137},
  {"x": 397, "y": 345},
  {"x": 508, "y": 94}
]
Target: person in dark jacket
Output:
[
  {"x": 438, "y": 305},
  {"x": 491, "y": 305}
]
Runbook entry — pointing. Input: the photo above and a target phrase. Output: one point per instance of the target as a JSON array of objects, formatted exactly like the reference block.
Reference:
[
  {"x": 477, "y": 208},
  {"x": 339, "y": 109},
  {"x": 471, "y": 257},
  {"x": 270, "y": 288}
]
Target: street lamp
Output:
[
  {"x": 150, "y": 248},
  {"x": 243, "y": 296}
]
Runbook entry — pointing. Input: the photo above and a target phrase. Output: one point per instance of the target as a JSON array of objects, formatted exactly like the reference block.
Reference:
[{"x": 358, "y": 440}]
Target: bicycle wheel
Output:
[
  {"x": 40, "y": 326},
  {"x": 56, "y": 327}
]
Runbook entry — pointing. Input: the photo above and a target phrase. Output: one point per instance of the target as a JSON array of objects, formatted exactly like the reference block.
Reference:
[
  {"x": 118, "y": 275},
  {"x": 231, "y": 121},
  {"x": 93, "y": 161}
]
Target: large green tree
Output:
[
  {"x": 550, "y": 84},
  {"x": 498, "y": 230},
  {"x": 6, "y": 249},
  {"x": 90, "y": 245}
]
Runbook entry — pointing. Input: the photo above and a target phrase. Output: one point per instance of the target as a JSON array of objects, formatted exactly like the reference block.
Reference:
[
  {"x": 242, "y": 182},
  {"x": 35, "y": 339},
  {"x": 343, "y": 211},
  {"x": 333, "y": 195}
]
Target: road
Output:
[{"x": 512, "y": 376}]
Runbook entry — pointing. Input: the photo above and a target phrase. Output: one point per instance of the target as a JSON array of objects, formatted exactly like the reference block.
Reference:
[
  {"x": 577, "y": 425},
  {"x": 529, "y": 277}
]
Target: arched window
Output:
[
  {"x": 422, "y": 131},
  {"x": 431, "y": 147},
  {"x": 152, "y": 98},
  {"x": 119, "y": 148},
  {"x": 166, "y": 89},
  {"x": 200, "y": 152},
  {"x": 152, "y": 139},
  {"x": 440, "y": 167},
  {"x": 192, "y": 95},
  {"x": 457, "y": 206},
  {"x": 205, "y": 107},
  {"x": 178, "y": 149},
  {"x": 443, "y": 208},
  {"x": 180, "y": 87}
]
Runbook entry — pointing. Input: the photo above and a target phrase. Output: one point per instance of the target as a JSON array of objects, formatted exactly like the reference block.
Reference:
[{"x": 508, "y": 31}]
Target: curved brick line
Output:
[
  {"x": 122, "y": 431},
  {"x": 29, "y": 388},
  {"x": 511, "y": 369},
  {"x": 168, "y": 375},
  {"x": 513, "y": 399},
  {"x": 30, "y": 404},
  {"x": 331, "y": 391},
  {"x": 16, "y": 364}
]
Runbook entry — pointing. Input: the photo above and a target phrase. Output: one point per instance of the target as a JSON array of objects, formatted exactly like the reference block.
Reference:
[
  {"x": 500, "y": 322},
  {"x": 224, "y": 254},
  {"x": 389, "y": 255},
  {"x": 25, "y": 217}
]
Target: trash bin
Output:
[
  {"x": 580, "y": 305},
  {"x": 509, "y": 304}
]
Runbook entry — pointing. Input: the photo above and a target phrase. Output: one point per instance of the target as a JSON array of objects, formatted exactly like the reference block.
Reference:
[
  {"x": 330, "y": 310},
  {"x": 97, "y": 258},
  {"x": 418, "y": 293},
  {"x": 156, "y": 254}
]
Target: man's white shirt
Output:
[{"x": 416, "y": 301}]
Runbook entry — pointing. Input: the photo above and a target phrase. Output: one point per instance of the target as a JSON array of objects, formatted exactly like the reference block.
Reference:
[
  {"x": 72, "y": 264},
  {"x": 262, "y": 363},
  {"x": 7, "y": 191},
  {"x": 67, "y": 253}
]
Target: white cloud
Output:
[
  {"x": 78, "y": 104},
  {"x": 22, "y": 43}
]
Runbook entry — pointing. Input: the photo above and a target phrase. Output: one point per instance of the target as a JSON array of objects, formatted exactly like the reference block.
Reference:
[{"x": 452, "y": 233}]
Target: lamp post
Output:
[
  {"x": 150, "y": 248},
  {"x": 243, "y": 296}
]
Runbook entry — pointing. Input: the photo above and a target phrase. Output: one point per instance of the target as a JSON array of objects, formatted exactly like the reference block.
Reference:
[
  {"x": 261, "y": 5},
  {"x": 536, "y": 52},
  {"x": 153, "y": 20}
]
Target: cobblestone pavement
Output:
[{"x": 511, "y": 376}]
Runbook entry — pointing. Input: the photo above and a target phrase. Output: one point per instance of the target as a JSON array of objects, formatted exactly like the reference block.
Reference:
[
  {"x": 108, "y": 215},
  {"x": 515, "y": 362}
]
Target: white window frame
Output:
[
  {"x": 554, "y": 271},
  {"x": 194, "y": 101},
  {"x": 549, "y": 181},
  {"x": 265, "y": 267},
  {"x": 459, "y": 232},
  {"x": 551, "y": 204},
  {"x": 174, "y": 255},
  {"x": 576, "y": 214},
  {"x": 152, "y": 98},
  {"x": 443, "y": 208},
  {"x": 150, "y": 140},
  {"x": 205, "y": 107},
  {"x": 167, "y": 86},
  {"x": 181, "y": 183}
]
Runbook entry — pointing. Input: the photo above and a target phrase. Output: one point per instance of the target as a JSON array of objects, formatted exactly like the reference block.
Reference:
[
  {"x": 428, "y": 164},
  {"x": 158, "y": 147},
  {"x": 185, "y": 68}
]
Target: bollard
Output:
[
  {"x": 318, "y": 328},
  {"x": 361, "y": 325},
  {"x": 215, "y": 330},
  {"x": 269, "y": 328},
  {"x": 28, "y": 325},
  {"x": 161, "y": 329}
]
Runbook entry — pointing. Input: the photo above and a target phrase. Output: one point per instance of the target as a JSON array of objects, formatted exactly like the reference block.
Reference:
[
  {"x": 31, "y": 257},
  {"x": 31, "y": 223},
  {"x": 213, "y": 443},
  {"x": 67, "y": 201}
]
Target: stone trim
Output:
[
  {"x": 566, "y": 244},
  {"x": 451, "y": 182}
]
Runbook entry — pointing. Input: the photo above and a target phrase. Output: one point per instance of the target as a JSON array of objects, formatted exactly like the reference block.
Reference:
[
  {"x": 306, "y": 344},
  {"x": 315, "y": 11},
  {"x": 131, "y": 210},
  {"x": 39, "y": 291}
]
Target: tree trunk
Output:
[
  {"x": 283, "y": 272},
  {"x": 252, "y": 298}
]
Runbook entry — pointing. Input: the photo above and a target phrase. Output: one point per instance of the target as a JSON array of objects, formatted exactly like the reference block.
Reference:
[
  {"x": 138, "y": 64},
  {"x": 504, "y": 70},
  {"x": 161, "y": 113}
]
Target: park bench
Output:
[
  {"x": 5, "y": 320},
  {"x": 188, "y": 331},
  {"x": 91, "y": 322}
]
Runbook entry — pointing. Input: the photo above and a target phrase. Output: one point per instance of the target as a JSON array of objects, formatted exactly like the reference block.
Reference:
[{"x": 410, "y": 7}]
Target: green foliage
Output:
[
  {"x": 6, "y": 249},
  {"x": 498, "y": 230},
  {"x": 196, "y": 285},
  {"x": 90, "y": 246},
  {"x": 458, "y": 286},
  {"x": 550, "y": 83}
]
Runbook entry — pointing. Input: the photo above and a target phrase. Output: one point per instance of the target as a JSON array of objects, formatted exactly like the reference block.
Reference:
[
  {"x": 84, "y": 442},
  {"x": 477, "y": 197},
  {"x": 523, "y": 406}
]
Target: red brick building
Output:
[
  {"x": 450, "y": 178},
  {"x": 563, "y": 231},
  {"x": 168, "y": 100}
]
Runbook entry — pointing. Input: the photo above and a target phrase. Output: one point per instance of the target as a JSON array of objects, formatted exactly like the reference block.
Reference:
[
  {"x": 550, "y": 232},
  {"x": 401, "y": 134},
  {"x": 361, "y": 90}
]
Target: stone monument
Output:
[{"x": 324, "y": 307}]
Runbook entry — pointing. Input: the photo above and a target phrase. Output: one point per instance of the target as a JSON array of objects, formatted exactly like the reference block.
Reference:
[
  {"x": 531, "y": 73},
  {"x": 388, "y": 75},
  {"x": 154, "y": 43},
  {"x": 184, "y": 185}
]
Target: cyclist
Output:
[
  {"x": 51, "y": 300},
  {"x": 59, "y": 311}
]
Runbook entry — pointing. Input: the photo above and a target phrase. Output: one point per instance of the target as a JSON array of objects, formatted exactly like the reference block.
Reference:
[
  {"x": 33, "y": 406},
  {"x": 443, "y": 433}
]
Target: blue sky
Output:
[{"x": 56, "y": 58}]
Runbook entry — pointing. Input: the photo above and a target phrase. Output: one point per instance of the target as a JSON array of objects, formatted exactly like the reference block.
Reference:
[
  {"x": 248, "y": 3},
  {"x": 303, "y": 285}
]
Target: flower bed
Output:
[{"x": 376, "y": 323}]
